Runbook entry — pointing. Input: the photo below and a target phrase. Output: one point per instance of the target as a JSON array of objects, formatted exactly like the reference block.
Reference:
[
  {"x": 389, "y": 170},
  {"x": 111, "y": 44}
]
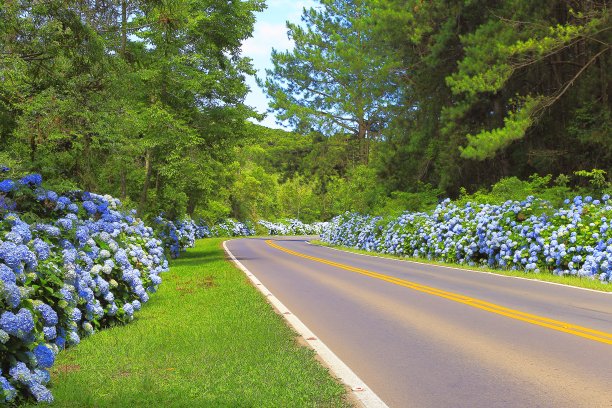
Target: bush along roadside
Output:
[
  {"x": 529, "y": 235},
  {"x": 178, "y": 235},
  {"x": 72, "y": 264},
  {"x": 291, "y": 227},
  {"x": 69, "y": 265}
]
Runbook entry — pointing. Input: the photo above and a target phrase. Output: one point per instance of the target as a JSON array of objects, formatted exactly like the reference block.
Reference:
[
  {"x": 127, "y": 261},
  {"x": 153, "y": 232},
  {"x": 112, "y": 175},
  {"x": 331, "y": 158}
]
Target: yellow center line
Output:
[{"x": 576, "y": 330}]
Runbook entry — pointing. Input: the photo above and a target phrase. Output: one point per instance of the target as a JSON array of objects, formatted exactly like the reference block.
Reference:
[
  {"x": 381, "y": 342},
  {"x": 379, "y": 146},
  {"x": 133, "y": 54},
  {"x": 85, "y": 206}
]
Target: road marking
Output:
[
  {"x": 565, "y": 327},
  {"x": 360, "y": 390},
  {"x": 346, "y": 250}
]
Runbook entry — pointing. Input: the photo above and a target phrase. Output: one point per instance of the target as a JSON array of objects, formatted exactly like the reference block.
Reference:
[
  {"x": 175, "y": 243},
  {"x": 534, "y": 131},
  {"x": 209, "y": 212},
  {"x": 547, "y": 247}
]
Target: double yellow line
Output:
[{"x": 576, "y": 330}]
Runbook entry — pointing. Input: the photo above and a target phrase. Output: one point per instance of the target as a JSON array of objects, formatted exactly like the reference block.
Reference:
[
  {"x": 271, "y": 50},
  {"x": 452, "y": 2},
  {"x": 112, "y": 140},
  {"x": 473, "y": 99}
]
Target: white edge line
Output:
[
  {"x": 462, "y": 269},
  {"x": 359, "y": 389}
]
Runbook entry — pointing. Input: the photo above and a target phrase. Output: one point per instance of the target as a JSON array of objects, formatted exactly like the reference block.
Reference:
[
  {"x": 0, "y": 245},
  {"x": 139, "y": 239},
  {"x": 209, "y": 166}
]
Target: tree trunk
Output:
[
  {"x": 603, "y": 69},
  {"x": 192, "y": 202},
  {"x": 123, "y": 27},
  {"x": 123, "y": 184},
  {"x": 32, "y": 147},
  {"x": 362, "y": 139},
  {"x": 147, "y": 181}
]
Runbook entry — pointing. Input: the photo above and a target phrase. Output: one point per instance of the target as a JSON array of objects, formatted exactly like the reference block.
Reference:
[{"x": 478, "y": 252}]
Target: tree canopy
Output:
[{"x": 390, "y": 104}]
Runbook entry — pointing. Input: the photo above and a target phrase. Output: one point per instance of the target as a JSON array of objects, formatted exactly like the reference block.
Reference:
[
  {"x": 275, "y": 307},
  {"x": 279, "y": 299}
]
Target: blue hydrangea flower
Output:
[
  {"x": 73, "y": 338},
  {"x": 50, "y": 230},
  {"x": 49, "y": 315},
  {"x": 7, "y": 185},
  {"x": 32, "y": 180},
  {"x": 128, "y": 309},
  {"x": 41, "y": 393},
  {"x": 75, "y": 315},
  {"x": 62, "y": 202},
  {"x": 60, "y": 341},
  {"x": 11, "y": 294},
  {"x": 112, "y": 311},
  {"x": 7, "y": 275},
  {"x": 90, "y": 207},
  {"x": 9, "y": 391},
  {"x": 8, "y": 252},
  {"x": 50, "y": 332},
  {"x": 64, "y": 223},
  {"x": 21, "y": 230},
  {"x": 42, "y": 249},
  {"x": 44, "y": 356},
  {"x": 21, "y": 373},
  {"x": 18, "y": 325},
  {"x": 41, "y": 376},
  {"x": 52, "y": 195}
]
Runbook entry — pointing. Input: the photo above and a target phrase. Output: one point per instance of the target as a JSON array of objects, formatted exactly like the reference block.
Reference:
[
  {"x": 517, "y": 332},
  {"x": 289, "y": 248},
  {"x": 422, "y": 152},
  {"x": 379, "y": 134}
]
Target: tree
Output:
[
  {"x": 495, "y": 89},
  {"x": 141, "y": 99},
  {"x": 297, "y": 199},
  {"x": 333, "y": 81},
  {"x": 564, "y": 44}
]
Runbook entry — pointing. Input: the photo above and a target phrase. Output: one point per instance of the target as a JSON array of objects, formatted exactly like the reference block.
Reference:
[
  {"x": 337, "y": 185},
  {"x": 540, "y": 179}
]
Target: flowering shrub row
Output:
[
  {"x": 292, "y": 227},
  {"x": 232, "y": 228},
  {"x": 176, "y": 236},
  {"x": 69, "y": 265},
  {"x": 74, "y": 263},
  {"x": 529, "y": 235},
  {"x": 179, "y": 235}
]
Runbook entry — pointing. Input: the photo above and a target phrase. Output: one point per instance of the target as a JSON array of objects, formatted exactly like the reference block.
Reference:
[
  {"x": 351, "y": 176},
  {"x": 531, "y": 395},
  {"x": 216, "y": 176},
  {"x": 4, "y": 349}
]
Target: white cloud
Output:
[
  {"x": 270, "y": 31},
  {"x": 265, "y": 37}
]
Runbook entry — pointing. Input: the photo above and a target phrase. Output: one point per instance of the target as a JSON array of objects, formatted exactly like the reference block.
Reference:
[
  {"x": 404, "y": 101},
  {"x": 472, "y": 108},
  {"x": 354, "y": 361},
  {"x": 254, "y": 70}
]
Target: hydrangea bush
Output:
[
  {"x": 69, "y": 265},
  {"x": 291, "y": 227},
  {"x": 176, "y": 236},
  {"x": 72, "y": 264},
  {"x": 233, "y": 228},
  {"x": 528, "y": 235}
]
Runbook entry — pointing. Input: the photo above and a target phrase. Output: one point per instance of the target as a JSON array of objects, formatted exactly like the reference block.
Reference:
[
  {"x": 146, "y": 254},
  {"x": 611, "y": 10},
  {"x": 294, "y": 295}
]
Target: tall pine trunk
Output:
[{"x": 147, "y": 182}]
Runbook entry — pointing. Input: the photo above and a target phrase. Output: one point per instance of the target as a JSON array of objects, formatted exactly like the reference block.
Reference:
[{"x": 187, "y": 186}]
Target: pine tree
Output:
[{"x": 334, "y": 81}]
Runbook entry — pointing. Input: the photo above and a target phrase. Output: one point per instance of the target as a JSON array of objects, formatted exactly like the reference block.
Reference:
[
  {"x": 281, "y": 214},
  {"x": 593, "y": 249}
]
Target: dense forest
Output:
[{"x": 392, "y": 104}]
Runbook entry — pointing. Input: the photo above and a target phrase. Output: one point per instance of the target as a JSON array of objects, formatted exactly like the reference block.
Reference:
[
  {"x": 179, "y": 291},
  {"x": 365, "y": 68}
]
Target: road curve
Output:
[{"x": 468, "y": 339}]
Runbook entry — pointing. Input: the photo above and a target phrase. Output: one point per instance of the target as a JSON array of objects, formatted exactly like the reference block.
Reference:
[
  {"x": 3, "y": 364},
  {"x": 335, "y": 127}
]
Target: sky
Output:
[{"x": 270, "y": 32}]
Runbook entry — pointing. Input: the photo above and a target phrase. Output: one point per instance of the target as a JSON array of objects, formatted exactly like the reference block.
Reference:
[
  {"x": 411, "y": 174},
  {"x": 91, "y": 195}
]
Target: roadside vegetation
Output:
[
  {"x": 530, "y": 236},
  {"x": 411, "y": 102},
  {"x": 206, "y": 339},
  {"x": 391, "y": 109}
]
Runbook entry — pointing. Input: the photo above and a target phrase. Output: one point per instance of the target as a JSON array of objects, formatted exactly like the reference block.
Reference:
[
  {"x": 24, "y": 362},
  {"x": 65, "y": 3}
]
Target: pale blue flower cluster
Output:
[
  {"x": 85, "y": 264},
  {"x": 176, "y": 236},
  {"x": 233, "y": 228},
  {"x": 292, "y": 227},
  {"x": 529, "y": 235}
]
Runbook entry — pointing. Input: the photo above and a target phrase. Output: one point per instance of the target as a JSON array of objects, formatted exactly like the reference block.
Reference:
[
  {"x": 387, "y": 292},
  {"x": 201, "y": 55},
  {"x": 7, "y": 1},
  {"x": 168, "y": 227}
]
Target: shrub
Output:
[
  {"x": 529, "y": 235},
  {"x": 291, "y": 227},
  {"x": 69, "y": 265}
]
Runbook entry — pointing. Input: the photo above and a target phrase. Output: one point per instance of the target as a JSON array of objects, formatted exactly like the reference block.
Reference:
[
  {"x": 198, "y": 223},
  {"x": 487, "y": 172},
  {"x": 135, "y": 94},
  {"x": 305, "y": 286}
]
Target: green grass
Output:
[
  {"x": 544, "y": 276},
  {"x": 206, "y": 339}
]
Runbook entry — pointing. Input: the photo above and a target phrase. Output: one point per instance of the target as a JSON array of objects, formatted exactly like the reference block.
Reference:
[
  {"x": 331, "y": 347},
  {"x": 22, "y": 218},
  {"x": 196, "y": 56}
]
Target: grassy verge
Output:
[
  {"x": 206, "y": 339},
  {"x": 548, "y": 277}
]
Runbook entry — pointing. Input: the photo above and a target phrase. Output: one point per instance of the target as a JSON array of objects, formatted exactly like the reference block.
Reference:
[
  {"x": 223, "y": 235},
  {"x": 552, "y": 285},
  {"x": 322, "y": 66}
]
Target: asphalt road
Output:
[{"x": 428, "y": 336}]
